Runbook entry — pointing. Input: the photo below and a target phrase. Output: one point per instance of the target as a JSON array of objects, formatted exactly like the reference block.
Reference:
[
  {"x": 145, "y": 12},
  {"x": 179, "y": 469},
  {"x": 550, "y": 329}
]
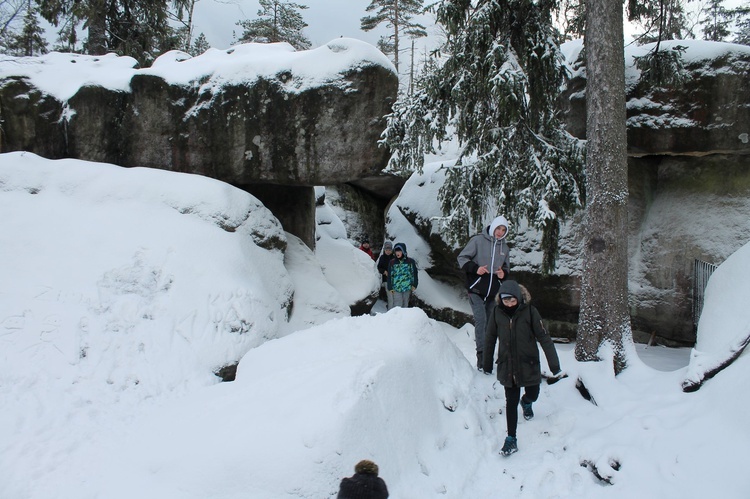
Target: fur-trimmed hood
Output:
[{"x": 513, "y": 288}]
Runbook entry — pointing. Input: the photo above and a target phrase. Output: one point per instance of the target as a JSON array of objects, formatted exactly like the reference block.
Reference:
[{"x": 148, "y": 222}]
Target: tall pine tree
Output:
[
  {"x": 398, "y": 16},
  {"x": 182, "y": 15},
  {"x": 30, "y": 40},
  {"x": 716, "y": 21},
  {"x": 200, "y": 45},
  {"x": 604, "y": 322},
  {"x": 496, "y": 89},
  {"x": 11, "y": 13},
  {"x": 659, "y": 20},
  {"x": 742, "y": 14},
  {"x": 278, "y": 21},
  {"x": 573, "y": 18},
  {"x": 127, "y": 27}
]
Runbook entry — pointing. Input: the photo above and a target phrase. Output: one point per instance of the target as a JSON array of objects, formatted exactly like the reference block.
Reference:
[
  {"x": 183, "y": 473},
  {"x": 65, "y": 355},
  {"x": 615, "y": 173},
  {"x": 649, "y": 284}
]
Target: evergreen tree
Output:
[
  {"x": 30, "y": 40},
  {"x": 278, "y": 21},
  {"x": 182, "y": 15},
  {"x": 659, "y": 20},
  {"x": 127, "y": 27},
  {"x": 716, "y": 21},
  {"x": 662, "y": 68},
  {"x": 67, "y": 38},
  {"x": 604, "y": 320},
  {"x": 11, "y": 12},
  {"x": 573, "y": 19},
  {"x": 200, "y": 45},
  {"x": 414, "y": 125},
  {"x": 398, "y": 16},
  {"x": 742, "y": 15},
  {"x": 496, "y": 88}
]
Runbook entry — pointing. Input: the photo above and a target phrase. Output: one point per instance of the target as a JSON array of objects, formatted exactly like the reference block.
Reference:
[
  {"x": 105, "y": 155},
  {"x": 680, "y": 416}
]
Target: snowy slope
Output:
[{"x": 107, "y": 389}]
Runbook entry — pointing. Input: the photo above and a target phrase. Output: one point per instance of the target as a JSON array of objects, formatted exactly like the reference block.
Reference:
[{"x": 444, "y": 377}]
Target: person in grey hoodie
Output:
[{"x": 485, "y": 260}]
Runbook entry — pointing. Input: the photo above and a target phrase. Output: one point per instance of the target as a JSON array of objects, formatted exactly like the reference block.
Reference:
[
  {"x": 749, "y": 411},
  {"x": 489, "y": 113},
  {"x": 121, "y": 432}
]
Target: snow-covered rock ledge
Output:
[
  {"x": 252, "y": 113},
  {"x": 705, "y": 113}
]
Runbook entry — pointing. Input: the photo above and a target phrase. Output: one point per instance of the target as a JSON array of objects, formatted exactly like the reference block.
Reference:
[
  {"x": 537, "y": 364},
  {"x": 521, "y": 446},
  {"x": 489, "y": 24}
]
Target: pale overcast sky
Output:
[{"x": 326, "y": 19}]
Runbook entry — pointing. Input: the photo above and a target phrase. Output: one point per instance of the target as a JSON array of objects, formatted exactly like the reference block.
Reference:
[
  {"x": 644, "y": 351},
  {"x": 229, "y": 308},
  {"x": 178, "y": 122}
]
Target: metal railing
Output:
[{"x": 701, "y": 273}]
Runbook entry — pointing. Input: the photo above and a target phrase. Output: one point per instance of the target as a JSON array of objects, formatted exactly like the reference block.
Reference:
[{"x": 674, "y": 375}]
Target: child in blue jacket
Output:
[{"x": 402, "y": 276}]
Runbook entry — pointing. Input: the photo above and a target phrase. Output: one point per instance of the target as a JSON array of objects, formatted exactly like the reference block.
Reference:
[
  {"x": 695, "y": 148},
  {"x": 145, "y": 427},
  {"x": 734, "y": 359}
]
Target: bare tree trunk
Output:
[
  {"x": 11, "y": 10},
  {"x": 604, "y": 317},
  {"x": 191, "y": 8},
  {"x": 411, "y": 70},
  {"x": 97, "y": 25},
  {"x": 396, "y": 28}
]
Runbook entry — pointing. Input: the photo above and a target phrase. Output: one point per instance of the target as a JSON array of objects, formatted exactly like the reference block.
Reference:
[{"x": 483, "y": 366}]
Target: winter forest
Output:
[
  {"x": 185, "y": 309},
  {"x": 145, "y": 30}
]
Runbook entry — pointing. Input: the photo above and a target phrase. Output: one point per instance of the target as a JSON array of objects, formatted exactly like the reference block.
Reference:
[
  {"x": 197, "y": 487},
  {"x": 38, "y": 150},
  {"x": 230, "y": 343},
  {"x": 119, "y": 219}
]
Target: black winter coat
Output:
[
  {"x": 383, "y": 262},
  {"x": 516, "y": 336},
  {"x": 363, "y": 486}
]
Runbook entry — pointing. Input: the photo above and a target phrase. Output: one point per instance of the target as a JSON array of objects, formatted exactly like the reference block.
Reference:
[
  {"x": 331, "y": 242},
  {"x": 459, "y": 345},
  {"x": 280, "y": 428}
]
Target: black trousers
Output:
[{"x": 512, "y": 398}]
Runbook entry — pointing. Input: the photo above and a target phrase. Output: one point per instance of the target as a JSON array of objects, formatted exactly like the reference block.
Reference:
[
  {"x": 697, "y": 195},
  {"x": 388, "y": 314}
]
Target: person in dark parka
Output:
[
  {"x": 516, "y": 327},
  {"x": 364, "y": 484},
  {"x": 383, "y": 261}
]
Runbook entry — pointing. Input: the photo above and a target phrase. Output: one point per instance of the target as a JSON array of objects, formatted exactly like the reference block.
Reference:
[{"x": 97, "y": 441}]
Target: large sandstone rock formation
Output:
[
  {"x": 689, "y": 182},
  {"x": 252, "y": 115},
  {"x": 689, "y": 177},
  {"x": 705, "y": 113}
]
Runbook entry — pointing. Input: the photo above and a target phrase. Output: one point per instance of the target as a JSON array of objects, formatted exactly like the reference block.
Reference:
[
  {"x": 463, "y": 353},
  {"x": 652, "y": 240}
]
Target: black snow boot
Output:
[{"x": 480, "y": 360}]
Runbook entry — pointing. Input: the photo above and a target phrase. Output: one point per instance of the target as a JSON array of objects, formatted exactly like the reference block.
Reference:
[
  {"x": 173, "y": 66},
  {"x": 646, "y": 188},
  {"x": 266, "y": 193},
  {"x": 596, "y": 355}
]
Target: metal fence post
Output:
[{"x": 701, "y": 273}]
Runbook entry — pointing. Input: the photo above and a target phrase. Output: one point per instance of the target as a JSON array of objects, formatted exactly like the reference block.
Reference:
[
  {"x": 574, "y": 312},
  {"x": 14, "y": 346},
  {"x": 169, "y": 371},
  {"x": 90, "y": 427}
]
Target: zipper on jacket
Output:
[
  {"x": 513, "y": 353},
  {"x": 475, "y": 282},
  {"x": 492, "y": 266}
]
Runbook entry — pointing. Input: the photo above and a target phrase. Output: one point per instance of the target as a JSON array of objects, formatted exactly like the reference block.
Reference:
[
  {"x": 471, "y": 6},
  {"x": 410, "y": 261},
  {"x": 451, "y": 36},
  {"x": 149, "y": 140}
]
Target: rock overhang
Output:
[{"x": 254, "y": 113}]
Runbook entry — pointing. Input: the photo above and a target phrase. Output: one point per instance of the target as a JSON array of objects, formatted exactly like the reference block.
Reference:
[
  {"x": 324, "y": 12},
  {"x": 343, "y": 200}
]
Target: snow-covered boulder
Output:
[
  {"x": 252, "y": 113},
  {"x": 362, "y": 213},
  {"x": 315, "y": 299},
  {"x": 724, "y": 326},
  {"x": 347, "y": 268},
  {"x": 102, "y": 263}
]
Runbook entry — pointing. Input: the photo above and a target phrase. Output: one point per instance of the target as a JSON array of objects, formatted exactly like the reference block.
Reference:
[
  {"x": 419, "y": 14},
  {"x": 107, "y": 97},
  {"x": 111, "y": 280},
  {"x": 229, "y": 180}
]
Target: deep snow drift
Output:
[{"x": 124, "y": 289}]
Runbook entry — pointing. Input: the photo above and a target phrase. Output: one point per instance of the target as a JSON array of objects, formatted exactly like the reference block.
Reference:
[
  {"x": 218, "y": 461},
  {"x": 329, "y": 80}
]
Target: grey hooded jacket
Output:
[{"x": 483, "y": 249}]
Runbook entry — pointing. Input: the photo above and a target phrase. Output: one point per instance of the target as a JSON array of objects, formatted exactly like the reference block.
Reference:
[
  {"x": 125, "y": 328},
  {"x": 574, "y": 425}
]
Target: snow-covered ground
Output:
[{"x": 122, "y": 290}]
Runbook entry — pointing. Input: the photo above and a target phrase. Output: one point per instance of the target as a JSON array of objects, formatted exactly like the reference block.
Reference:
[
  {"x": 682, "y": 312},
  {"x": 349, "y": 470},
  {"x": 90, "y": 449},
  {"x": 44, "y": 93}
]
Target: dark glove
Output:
[{"x": 556, "y": 377}]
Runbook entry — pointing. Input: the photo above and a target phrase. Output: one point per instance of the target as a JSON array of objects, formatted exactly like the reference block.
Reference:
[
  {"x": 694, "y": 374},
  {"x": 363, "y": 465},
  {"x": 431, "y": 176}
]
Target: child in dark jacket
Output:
[
  {"x": 364, "y": 484},
  {"x": 516, "y": 326},
  {"x": 365, "y": 246},
  {"x": 383, "y": 261},
  {"x": 402, "y": 276}
]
